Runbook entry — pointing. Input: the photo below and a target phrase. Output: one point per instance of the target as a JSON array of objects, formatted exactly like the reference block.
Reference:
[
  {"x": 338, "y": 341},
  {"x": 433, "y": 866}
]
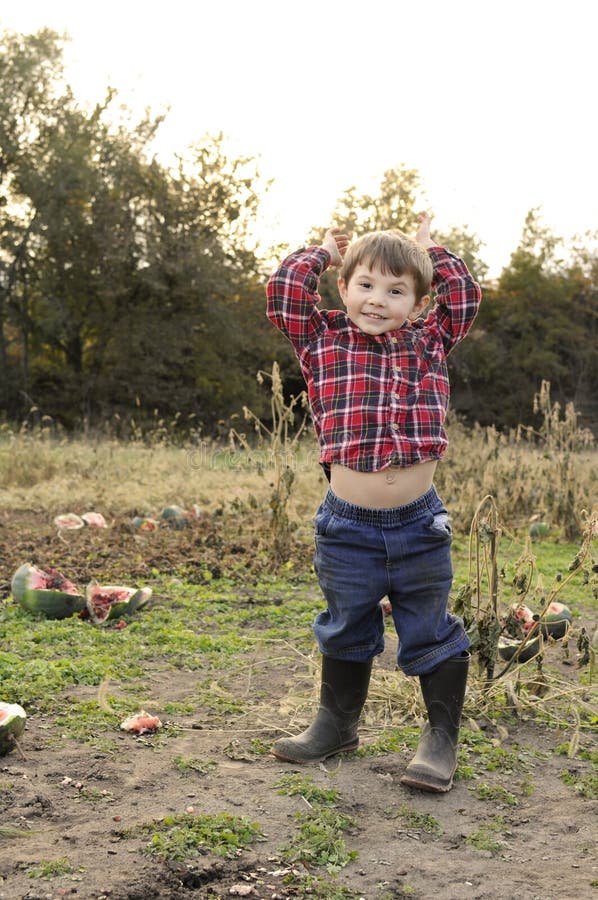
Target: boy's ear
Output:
[
  {"x": 419, "y": 307},
  {"x": 342, "y": 289}
]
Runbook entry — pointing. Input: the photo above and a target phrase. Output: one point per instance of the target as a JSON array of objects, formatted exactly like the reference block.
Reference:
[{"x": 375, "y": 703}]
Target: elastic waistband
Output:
[{"x": 387, "y": 516}]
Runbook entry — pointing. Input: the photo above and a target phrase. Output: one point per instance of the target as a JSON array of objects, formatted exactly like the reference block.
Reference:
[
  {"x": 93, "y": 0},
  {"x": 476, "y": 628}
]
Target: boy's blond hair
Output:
[{"x": 390, "y": 251}]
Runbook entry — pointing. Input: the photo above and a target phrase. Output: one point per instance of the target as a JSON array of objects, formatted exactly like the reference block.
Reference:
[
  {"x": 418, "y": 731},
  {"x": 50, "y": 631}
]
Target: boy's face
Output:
[{"x": 378, "y": 302}]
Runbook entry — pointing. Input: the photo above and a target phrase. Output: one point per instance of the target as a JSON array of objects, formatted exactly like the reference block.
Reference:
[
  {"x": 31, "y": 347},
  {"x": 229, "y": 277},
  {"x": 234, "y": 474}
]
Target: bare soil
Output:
[{"x": 77, "y": 802}]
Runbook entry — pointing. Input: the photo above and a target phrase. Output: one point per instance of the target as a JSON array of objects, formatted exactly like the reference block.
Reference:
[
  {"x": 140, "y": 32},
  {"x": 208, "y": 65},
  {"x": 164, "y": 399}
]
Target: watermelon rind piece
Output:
[
  {"x": 556, "y": 621},
  {"x": 508, "y": 647},
  {"x": 69, "y": 521},
  {"x": 12, "y": 725},
  {"x": 105, "y": 602},
  {"x": 49, "y": 602},
  {"x": 176, "y": 517}
]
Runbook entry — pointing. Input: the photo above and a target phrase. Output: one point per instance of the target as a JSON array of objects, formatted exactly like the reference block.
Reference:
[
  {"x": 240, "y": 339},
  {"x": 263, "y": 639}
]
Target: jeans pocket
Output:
[
  {"x": 441, "y": 525},
  {"x": 322, "y": 520}
]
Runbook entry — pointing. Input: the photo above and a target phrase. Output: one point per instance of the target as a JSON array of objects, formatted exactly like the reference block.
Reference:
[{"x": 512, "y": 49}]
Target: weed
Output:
[
  {"x": 319, "y": 841},
  {"x": 497, "y": 758},
  {"x": 184, "y": 837},
  {"x": 418, "y": 821},
  {"x": 85, "y": 721},
  {"x": 304, "y": 885},
  {"x": 51, "y": 868},
  {"x": 281, "y": 440},
  {"x": 294, "y": 784},
  {"x": 259, "y": 747},
  {"x": 585, "y": 785},
  {"x": 391, "y": 741},
  {"x": 526, "y": 787},
  {"x": 496, "y": 792},
  {"x": 485, "y": 837},
  {"x": 188, "y": 765}
]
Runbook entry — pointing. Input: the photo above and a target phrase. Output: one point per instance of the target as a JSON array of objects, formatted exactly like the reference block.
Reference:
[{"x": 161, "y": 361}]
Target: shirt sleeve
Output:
[
  {"x": 457, "y": 297},
  {"x": 292, "y": 295}
]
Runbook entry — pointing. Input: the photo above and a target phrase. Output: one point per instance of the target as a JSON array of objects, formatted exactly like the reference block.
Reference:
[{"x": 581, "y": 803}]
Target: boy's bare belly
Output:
[{"x": 386, "y": 488}]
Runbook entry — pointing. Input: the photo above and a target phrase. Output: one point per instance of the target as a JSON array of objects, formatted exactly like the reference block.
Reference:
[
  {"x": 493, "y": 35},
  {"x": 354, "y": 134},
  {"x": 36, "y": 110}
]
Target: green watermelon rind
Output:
[
  {"x": 138, "y": 598},
  {"x": 13, "y": 727},
  {"x": 53, "y": 604},
  {"x": 49, "y": 603}
]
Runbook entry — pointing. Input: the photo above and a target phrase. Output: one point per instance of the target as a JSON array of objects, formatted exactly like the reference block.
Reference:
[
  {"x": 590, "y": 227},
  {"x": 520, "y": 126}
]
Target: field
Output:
[{"x": 224, "y": 655}]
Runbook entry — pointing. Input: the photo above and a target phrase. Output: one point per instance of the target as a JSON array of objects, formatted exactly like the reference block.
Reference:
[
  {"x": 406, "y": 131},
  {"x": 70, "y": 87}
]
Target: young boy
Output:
[{"x": 378, "y": 390}]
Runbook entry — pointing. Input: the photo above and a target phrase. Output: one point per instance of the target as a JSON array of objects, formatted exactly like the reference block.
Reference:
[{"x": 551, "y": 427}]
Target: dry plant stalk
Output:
[{"x": 280, "y": 442}]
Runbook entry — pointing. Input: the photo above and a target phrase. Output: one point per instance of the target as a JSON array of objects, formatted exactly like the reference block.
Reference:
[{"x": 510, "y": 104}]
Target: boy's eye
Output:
[
  {"x": 365, "y": 284},
  {"x": 396, "y": 291}
]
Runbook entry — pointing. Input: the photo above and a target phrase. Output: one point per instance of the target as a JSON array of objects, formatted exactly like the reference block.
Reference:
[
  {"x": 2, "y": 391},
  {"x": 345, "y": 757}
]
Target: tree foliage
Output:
[
  {"x": 123, "y": 283},
  {"x": 128, "y": 285}
]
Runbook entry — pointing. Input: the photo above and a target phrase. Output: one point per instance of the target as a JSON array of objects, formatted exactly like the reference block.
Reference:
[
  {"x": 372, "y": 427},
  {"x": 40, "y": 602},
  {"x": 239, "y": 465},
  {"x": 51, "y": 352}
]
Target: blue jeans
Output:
[{"x": 363, "y": 555}]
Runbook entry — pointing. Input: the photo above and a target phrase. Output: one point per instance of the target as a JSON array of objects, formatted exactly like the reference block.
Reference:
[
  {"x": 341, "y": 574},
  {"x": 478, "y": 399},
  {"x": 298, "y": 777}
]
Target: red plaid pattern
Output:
[{"x": 376, "y": 401}]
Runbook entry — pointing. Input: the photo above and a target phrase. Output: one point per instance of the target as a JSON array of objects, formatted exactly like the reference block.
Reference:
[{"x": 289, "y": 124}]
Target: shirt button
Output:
[
  {"x": 396, "y": 370},
  {"x": 394, "y": 340},
  {"x": 394, "y": 426},
  {"x": 397, "y": 396}
]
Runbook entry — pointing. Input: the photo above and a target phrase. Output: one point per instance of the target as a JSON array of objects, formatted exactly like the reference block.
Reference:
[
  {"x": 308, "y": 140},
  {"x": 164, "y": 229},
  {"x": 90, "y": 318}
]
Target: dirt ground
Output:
[{"x": 548, "y": 850}]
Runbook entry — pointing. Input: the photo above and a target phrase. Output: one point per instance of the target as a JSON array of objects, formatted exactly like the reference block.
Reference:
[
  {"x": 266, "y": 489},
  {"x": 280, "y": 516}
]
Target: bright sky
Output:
[{"x": 493, "y": 103}]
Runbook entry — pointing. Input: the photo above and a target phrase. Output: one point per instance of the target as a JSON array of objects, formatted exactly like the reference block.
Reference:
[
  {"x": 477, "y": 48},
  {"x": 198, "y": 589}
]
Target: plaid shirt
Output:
[{"x": 376, "y": 401}]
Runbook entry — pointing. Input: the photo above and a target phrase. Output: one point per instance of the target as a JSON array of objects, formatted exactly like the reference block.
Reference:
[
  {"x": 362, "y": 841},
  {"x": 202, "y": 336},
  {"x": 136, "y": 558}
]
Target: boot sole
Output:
[
  {"x": 309, "y": 759},
  {"x": 426, "y": 785}
]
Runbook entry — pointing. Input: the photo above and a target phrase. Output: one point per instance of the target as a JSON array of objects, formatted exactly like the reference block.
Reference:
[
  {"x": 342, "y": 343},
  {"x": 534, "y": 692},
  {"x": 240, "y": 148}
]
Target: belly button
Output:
[{"x": 391, "y": 477}]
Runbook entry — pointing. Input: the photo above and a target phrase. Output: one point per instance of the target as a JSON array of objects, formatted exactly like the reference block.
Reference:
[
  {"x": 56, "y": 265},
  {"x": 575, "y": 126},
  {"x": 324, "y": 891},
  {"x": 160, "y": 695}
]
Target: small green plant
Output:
[
  {"x": 527, "y": 787},
  {"x": 485, "y": 838},
  {"x": 294, "y": 784},
  {"x": 185, "y": 837},
  {"x": 390, "y": 741},
  {"x": 51, "y": 868},
  {"x": 496, "y": 792},
  {"x": 418, "y": 821},
  {"x": 318, "y": 888},
  {"x": 497, "y": 758},
  {"x": 188, "y": 765},
  {"x": 586, "y": 785},
  {"x": 319, "y": 841}
]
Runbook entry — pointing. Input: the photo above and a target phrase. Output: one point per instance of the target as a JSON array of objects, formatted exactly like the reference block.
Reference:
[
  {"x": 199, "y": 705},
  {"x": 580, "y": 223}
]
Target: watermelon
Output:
[
  {"x": 94, "y": 519},
  {"x": 176, "y": 517},
  {"x": 508, "y": 647},
  {"x": 69, "y": 521},
  {"x": 12, "y": 725},
  {"x": 141, "y": 723},
  {"x": 105, "y": 602},
  {"x": 556, "y": 620},
  {"x": 46, "y": 592},
  {"x": 524, "y": 616}
]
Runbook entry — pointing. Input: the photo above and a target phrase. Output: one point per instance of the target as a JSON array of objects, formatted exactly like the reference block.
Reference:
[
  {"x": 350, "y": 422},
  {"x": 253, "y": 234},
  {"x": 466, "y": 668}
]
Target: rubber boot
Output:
[
  {"x": 435, "y": 761},
  {"x": 343, "y": 693}
]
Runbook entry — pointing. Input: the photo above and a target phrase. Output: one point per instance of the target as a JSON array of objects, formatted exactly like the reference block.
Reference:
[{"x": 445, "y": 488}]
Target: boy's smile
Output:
[{"x": 378, "y": 302}]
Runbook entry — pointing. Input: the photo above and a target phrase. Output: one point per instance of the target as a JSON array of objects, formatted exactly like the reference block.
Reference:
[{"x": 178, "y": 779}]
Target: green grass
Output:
[
  {"x": 303, "y": 785},
  {"x": 190, "y": 765},
  {"x": 496, "y": 792},
  {"x": 319, "y": 840},
  {"x": 51, "y": 868},
  {"x": 185, "y": 837},
  {"x": 583, "y": 785},
  {"x": 487, "y": 835},
  {"x": 415, "y": 820}
]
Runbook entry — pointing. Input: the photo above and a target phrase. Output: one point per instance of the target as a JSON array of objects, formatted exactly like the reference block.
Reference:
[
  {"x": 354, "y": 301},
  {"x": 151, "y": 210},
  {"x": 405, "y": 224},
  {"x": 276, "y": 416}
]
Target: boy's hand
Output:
[
  {"x": 336, "y": 242},
  {"x": 422, "y": 235}
]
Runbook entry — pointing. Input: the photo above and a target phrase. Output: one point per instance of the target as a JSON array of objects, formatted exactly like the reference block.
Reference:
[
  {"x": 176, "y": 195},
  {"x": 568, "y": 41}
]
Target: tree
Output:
[
  {"x": 536, "y": 324},
  {"x": 123, "y": 282}
]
